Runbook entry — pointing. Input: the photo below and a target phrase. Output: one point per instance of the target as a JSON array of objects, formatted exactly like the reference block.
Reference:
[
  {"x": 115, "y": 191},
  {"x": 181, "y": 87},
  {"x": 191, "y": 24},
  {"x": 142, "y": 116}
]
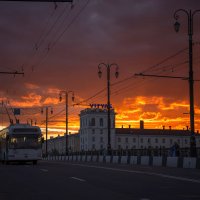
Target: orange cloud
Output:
[
  {"x": 29, "y": 100},
  {"x": 31, "y": 86},
  {"x": 51, "y": 100},
  {"x": 53, "y": 91},
  {"x": 155, "y": 111}
]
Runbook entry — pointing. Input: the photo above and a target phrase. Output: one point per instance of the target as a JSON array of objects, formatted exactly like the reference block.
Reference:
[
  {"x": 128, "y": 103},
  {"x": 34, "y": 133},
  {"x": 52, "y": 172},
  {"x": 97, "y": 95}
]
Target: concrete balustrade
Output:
[
  {"x": 83, "y": 158},
  {"x": 79, "y": 158},
  {"x": 115, "y": 159},
  {"x": 134, "y": 160},
  {"x": 124, "y": 159},
  {"x": 70, "y": 158},
  {"x": 172, "y": 162},
  {"x": 189, "y": 162},
  {"x": 144, "y": 160},
  {"x": 74, "y": 158},
  {"x": 101, "y": 159},
  {"x": 94, "y": 158},
  {"x": 108, "y": 159},
  {"x": 158, "y": 161},
  {"x": 89, "y": 158}
]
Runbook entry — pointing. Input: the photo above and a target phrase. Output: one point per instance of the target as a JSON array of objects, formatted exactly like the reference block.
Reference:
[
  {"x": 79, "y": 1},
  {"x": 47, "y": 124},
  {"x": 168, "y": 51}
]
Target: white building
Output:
[
  {"x": 94, "y": 134},
  {"x": 93, "y": 129},
  {"x": 57, "y": 145},
  {"x": 130, "y": 138}
]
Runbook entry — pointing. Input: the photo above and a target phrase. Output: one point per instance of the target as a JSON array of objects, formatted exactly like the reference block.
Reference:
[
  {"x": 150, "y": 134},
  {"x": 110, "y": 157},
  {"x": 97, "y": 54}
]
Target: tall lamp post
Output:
[
  {"x": 66, "y": 93},
  {"x": 108, "y": 66},
  {"x": 47, "y": 112},
  {"x": 190, "y": 17}
]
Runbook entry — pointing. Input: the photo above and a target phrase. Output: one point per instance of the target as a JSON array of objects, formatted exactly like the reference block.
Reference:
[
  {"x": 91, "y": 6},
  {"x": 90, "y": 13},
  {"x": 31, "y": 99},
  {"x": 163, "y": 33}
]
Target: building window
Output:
[
  {"x": 101, "y": 146},
  {"x": 126, "y": 146},
  {"x": 119, "y": 146},
  {"x": 101, "y": 139},
  {"x": 101, "y": 131},
  {"x": 163, "y": 140},
  {"x": 92, "y": 122},
  {"x": 156, "y": 140},
  {"x": 134, "y": 140},
  {"x": 93, "y": 131},
  {"x": 101, "y": 121},
  {"x": 149, "y": 140},
  {"x": 93, "y": 139},
  {"x": 186, "y": 141},
  {"x": 171, "y": 141},
  {"x": 126, "y": 139},
  {"x": 93, "y": 146},
  {"x": 141, "y": 147},
  {"x": 141, "y": 140},
  {"x": 119, "y": 139}
]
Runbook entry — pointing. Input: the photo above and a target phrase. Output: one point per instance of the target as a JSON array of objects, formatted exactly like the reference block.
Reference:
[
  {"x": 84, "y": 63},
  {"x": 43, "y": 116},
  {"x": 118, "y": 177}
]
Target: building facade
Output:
[
  {"x": 57, "y": 145},
  {"x": 93, "y": 129},
  {"x": 93, "y": 135},
  {"x": 129, "y": 138}
]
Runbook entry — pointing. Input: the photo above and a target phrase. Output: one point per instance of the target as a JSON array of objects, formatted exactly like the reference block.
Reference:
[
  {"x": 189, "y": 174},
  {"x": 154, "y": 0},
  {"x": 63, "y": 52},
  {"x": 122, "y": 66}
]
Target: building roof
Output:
[
  {"x": 151, "y": 132},
  {"x": 95, "y": 111},
  {"x": 61, "y": 137}
]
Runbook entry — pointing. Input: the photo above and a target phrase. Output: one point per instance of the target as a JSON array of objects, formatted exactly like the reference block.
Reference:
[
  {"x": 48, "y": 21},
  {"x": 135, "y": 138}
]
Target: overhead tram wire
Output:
[
  {"x": 49, "y": 31},
  {"x": 164, "y": 60},
  {"x": 43, "y": 58},
  {"x": 43, "y": 37},
  {"x": 132, "y": 76},
  {"x": 35, "y": 44},
  {"x": 69, "y": 25}
]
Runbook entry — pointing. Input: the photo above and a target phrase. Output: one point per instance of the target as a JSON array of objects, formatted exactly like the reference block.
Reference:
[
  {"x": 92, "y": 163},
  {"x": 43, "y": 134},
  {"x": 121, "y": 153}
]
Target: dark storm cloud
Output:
[{"x": 135, "y": 34}]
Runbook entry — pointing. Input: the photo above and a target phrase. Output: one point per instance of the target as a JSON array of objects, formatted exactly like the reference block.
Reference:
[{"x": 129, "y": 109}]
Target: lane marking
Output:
[
  {"x": 78, "y": 179},
  {"x": 44, "y": 170},
  {"x": 142, "y": 172}
]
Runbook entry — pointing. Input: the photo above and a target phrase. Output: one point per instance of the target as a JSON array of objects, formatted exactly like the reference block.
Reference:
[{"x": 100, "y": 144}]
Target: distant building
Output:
[
  {"x": 74, "y": 142},
  {"x": 130, "y": 138},
  {"x": 57, "y": 145},
  {"x": 93, "y": 135}
]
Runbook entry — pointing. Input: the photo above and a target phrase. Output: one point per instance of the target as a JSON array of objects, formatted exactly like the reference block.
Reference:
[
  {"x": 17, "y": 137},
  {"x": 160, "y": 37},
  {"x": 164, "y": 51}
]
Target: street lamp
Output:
[
  {"x": 66, "y": 93},
  {"x": 108, "y": 66},
  {"x": 190, "y": 16},
  {"x": 47, "y": 112}
]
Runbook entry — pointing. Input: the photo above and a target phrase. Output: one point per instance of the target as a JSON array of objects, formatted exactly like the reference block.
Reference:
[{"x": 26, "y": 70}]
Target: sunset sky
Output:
[{"x": 60, "y": 49}]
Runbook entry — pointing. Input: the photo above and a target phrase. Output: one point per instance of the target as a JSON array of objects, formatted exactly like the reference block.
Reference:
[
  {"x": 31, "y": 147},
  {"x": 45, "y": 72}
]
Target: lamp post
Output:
[
  {"x": 190, "y": 17},
  {"x": 108, "y": 66},
  {"x": 66, "y": 93},
  {"x": 47, "y": 111}
]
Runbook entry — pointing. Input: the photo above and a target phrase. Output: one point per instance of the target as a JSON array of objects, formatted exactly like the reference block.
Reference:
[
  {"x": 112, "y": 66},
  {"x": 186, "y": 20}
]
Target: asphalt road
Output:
[{"x": 58, "y": 180}]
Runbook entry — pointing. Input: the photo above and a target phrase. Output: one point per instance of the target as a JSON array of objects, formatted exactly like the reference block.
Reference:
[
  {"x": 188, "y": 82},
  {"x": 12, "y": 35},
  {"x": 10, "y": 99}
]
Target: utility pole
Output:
[
  {"x": 190, "y": 17},
  {"x": 66, "y": 93},
  {"x": 47, "y": 112},
  {"x": 108, "y": 66}
]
